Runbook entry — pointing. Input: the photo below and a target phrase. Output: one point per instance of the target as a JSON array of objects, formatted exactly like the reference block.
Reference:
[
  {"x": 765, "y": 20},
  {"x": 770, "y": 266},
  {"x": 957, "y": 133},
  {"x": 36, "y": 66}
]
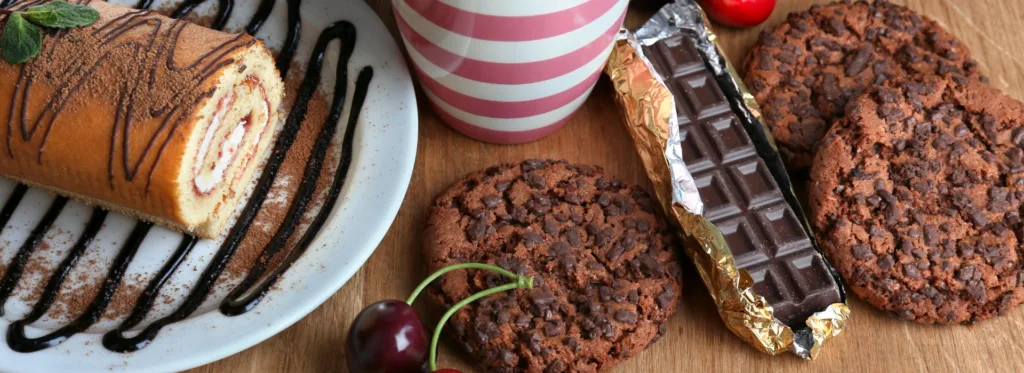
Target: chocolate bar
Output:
[{"x": 739, "y": 193}]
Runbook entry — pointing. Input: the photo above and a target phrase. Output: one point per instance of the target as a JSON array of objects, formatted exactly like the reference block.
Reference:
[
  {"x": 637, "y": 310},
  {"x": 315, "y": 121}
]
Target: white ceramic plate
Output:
[{"x": 384, "y": 153}]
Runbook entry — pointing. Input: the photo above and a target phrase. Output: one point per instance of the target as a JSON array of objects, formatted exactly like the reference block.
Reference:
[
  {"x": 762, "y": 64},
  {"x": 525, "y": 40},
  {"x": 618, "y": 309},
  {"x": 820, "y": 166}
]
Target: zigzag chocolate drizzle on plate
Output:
[{"x": 257, "y": 283}]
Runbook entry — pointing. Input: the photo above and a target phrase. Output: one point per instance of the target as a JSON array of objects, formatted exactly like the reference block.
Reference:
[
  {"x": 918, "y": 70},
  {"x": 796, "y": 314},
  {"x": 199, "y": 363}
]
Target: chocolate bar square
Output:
[{"x": 740, "y": 195}]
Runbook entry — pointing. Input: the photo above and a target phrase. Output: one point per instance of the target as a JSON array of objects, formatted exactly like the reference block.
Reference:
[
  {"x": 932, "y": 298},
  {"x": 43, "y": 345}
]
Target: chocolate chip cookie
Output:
[
  {"x": 916, "y": 195},
  {"x": 606, "y": 272},
  {"x": 804, "y": 71}
]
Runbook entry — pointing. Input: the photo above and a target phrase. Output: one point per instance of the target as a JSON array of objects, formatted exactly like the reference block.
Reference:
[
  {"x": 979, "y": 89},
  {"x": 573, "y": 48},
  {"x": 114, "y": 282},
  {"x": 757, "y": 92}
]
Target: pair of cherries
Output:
[{"x": 388, "y": 336}]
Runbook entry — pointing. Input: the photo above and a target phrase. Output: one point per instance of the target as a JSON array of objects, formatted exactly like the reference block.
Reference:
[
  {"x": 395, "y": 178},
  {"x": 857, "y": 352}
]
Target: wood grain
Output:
[{"x": 696, "y": 340}]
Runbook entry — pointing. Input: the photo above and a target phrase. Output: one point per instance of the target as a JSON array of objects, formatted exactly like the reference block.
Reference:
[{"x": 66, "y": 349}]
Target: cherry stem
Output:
[
  {"x": 442, "y": 271},
  {"x": 521, "y": 282}
]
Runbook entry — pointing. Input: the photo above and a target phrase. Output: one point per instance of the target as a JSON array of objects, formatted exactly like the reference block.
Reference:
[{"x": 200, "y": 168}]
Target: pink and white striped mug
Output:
[{"x": 508, "y": 71}]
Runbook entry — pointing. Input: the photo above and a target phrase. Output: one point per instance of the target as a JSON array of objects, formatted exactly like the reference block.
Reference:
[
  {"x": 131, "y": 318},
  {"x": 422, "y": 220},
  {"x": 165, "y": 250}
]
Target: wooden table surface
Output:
[{"x": 696, "y": 340}]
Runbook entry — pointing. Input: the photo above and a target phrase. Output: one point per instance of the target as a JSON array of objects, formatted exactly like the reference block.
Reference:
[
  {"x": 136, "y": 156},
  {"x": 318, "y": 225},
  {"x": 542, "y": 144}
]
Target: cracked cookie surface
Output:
[
  {"x": 917, "y": 194},
  {"x": 805, "y": 70},
  {"x": 606, "y": 272}
]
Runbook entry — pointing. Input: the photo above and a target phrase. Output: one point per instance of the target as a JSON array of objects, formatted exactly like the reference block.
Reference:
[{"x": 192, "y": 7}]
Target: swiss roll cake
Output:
[{"x": 152, "y": 117}]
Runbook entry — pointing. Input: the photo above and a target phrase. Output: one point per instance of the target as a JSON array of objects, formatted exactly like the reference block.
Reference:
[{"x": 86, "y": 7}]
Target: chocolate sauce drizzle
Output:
[
  {"x": 219, "y": 21},
  {"x": 16, "y": 334},
  {"x": 263, "y": 10},
  {"x": 12, "y": 203},
  {"x": 315, "y": 162},
  {"x": 236, "y": 303},
  {"x": 52, "y": 288},
  {"x": 17, "y": 266},
  {"x": 247, "y": 295}
]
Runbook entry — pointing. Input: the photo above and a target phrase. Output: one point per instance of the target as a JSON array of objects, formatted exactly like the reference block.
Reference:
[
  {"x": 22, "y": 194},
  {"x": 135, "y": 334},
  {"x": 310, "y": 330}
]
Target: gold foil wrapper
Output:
[{"x": 649, "y": 112}]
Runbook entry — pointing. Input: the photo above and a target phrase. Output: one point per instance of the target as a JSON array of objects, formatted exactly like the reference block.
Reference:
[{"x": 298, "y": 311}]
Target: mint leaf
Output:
[
  {"x": 61, "y": 14},
  {"x": 21, "y": 40}
]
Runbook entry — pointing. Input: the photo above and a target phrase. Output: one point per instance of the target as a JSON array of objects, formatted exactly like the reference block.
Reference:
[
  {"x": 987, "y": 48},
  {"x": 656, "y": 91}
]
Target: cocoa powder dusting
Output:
[
  {"x": 115, "y": 59},
  {"x": 36, "y": 266},
  {"x": 71, "y": 304},
  {"x": 126, "y": 297},
  {"x": 274, "y": 209}
]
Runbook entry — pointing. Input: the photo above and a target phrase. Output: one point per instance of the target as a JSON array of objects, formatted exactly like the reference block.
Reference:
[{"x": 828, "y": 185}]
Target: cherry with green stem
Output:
[{"x": 388, "y": 336}]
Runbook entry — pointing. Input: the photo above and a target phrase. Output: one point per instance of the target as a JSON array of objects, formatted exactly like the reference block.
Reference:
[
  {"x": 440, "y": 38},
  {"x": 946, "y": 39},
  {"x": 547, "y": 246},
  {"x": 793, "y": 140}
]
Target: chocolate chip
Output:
[
  {"x": 483, "y": 332},
  {"x": 922, "y": 187},
  {"x": 910, "y": 270},
  {"x": 477, "y": 230},
  {"x": 534, "y": 180},
  {"x": 835, "y": 26},
  {"x": 976, "y": 289},
  {"x": 561, "y": 248},
  {"x": 501, "y": 186},
  {"x": 626, "y": 316},
  {"x": 609, "y": 330},
  {"x": 532, "y": 239},
  {"x": 615, "y": 252},
  {"x": 906, "y": 246},
  {"x": 605, "y": 293},
  {"x": 650, "y": 266},
  {"x": 603, "y": 237},
  {"x": 572, "y": 235},
  {"x": 887, "y": 95},
  {"x": 967, "y": 273},
  {"x": 542, "y": 297},
  {"x": 522, "y": 321},
  {"x": 507, "y": 357},
  {"x": 886, "y": 262},
  {"x": 666, "y": 298},
  {"x": 619, "y": 297},
  {"x": 532, "y": 164},
  {"x": 857, "y": 64},
  {"x": 502, "y": 316},
  {"x": 556, "y": 366},
  {"x": 533, "y": 341},
  {"x": 551, "y": 227},
  {"x": 576, "y": 218},
  {"x": 628, "y": 242},
  {"x": 862, "y": 252},
  {"x": 591, "y": 307},
  {"x": 931, "y": 235},
  {"x": 520, "y": 215},
  {"x": 491, "y": 201},
  {"x": 979, "y": 218},
  {"x": 572, "y": 343},
  {"x": 552, "y": 329},
  {"x": 1017, "y": 136},
  {"x": 540, "y": 204}
]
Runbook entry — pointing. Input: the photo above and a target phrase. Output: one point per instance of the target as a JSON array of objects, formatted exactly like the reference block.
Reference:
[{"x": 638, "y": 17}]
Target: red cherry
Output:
[
  {"x": 446, "y": 371},
  {"x": 387, "y": 337},
  {"x": 738, "y": 13}
]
